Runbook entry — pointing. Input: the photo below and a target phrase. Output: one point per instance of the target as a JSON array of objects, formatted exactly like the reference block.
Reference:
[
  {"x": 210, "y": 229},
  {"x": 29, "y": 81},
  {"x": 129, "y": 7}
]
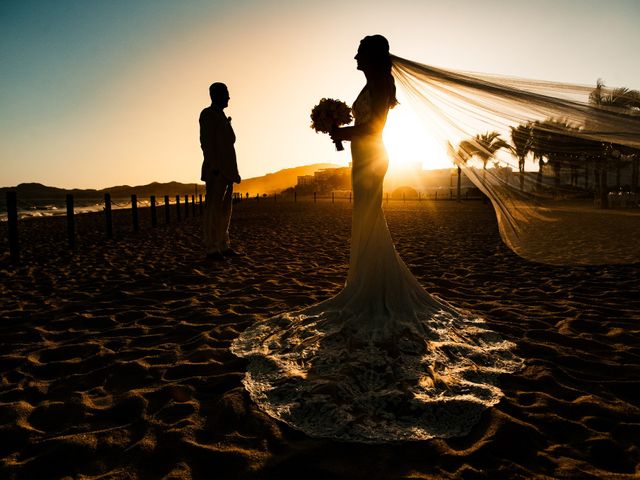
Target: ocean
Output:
[{"x": 49, "y": 207}]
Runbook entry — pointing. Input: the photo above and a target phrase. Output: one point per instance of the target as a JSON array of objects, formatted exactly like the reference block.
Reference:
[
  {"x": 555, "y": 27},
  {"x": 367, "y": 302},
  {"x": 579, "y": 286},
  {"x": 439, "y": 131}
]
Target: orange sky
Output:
[{"x": 105, "y": 93}]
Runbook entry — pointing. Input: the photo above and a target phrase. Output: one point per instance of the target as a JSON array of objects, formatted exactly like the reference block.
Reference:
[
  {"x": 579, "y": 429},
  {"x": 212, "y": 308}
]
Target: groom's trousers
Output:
[{"x": 217, "y": 214}]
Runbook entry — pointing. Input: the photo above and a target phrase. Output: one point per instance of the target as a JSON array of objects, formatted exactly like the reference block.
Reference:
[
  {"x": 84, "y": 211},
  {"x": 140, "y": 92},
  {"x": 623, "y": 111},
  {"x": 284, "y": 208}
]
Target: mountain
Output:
[
  {"x": 39, "y": 191},
  {"x": 280, "y": 180},
  {"x": 155, "y": 188},
  {"x": 269, "y": 183}
]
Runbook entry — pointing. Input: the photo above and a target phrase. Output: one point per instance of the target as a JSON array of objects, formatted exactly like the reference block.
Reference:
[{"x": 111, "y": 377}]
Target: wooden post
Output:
[
  {"x": 108, "y": 228},
  {"x": 12, "y": 219},
  {"x": 186, "y": 206},
  {"x": 154, "y": 216},
  {"x": 436, "y": 196},
  {"x": 71, "y": 224},
  {"x": 314, "y": 197},
  {"x": 349, "y": 197},
  {"x": 200, "y": 203},
  {"x": 134, "y": 212},
  {"x": 193, "y": 205},
  {"x": 295, "y": 197},
  {"x": 178, "y": 212},
  {"x": 167, "y": 210},
  {"x": 257, "y": 197}
]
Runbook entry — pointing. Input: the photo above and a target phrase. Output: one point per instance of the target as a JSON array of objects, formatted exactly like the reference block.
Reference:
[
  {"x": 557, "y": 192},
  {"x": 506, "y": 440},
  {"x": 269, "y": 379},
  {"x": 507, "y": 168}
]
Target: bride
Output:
[{"x": 383, "y": 360}]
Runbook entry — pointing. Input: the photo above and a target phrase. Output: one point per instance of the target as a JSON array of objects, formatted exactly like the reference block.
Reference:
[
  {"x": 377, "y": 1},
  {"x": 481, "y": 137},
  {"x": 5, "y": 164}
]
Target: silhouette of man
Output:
[{"x": 219, "y": 172}]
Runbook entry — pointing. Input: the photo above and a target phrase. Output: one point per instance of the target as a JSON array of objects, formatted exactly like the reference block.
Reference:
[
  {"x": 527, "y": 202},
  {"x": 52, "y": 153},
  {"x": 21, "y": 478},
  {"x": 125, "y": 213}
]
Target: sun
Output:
[{"x": 409, "y": 142}]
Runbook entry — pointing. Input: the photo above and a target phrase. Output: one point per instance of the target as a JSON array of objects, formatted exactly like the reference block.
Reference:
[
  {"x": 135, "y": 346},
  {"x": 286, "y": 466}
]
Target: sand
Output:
[{"x": 114, "y": 359}]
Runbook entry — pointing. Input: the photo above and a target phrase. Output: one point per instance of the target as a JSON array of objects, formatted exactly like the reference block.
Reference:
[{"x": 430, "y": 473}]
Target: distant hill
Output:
[
  {"x": 39, "y": 191},
  {"x": 269, "y": 183},
  {"x": 280, "y": 180}
]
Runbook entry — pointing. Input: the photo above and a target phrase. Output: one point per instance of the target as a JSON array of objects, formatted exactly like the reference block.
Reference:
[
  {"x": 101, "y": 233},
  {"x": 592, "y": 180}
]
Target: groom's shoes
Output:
[
  {"x": 216, "y": 256},
  {"x": 230, "y": 252}
]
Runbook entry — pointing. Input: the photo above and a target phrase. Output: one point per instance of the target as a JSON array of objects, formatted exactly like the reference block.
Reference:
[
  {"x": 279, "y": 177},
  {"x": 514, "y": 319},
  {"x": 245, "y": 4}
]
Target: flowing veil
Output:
[{"x": 559, "y": 161}]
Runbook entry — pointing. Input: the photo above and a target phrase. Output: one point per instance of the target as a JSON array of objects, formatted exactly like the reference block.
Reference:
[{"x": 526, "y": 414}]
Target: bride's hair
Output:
[{"x": 377, "y": 47}]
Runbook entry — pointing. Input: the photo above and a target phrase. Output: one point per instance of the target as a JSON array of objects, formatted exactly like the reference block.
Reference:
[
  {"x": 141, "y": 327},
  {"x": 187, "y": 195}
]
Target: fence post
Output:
[
  {"x": 178, "y": 212},
  {"x": 200, "y": 203},
  {"x": 349, "y": 197},
  {"x": 295, "y": 197},
  {"x": 12, "y": 219},
  {"x": 134, "y": 212},
  {"x": 71, "y": 224},
  {"x": 167, "y": 210},
  {"x": 154, "y": 216},
  {"x": 436, "y": 196},
  {"x": 314, "y": 197},
  {"x": 333, "y": 197},
  {"x": 107, "y": 215},
  {"x": 186, "y": 206},
  {"x": 193, "y": 205}
]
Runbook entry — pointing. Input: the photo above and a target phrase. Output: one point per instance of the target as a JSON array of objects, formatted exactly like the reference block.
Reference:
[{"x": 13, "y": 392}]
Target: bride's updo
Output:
[{"x": 377, "y": 51}]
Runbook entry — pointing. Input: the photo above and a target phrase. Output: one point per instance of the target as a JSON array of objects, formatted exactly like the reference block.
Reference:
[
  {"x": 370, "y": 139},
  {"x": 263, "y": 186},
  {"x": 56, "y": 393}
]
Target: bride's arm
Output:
[{"x": 379, "y": 110}]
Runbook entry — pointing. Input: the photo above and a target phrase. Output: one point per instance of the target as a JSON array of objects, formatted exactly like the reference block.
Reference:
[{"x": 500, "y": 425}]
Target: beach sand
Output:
[{"x": 114, "y": 360}]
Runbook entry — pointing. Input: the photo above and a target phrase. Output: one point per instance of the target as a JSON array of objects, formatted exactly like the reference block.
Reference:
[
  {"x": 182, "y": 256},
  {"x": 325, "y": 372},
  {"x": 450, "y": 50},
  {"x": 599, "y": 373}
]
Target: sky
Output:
[{"x": 100, "y": 93}]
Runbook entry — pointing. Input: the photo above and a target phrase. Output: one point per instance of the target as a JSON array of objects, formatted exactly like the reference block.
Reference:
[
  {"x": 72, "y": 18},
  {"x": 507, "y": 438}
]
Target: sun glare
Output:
[{"x": 409, "y": 142}]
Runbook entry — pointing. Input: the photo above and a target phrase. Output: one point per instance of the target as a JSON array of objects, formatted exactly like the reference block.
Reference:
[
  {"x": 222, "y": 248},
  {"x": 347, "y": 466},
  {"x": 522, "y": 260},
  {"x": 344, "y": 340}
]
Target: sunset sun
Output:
[{"x": 409, "y": 142}]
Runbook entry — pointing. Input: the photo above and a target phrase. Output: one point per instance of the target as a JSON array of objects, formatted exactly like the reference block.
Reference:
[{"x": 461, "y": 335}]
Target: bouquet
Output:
[{"x": 330, "y": 114}]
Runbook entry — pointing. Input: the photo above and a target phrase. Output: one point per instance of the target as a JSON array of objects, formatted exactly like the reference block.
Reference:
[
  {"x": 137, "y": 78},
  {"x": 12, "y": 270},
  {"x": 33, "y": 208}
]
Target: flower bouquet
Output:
[{"x": 330, "y": 114}]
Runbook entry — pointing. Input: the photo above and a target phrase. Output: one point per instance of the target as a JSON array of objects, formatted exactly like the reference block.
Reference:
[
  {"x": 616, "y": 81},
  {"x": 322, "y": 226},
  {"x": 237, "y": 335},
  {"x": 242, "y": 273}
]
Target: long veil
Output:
[{"x": 559, "y": 162}]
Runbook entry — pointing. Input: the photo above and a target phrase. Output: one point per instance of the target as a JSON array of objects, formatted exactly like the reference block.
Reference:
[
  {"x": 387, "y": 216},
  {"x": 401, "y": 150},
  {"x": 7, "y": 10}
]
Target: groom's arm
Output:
[
  {"x": 207, "y": 144},
  {"x": 225, "y": 152}
]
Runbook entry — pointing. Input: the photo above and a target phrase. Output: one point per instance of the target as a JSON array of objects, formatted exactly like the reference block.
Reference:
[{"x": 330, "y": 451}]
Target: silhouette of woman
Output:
[{"x": 383, "y": 360}]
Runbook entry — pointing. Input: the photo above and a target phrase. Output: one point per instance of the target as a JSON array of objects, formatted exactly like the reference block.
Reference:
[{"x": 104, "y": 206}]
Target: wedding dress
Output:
[{"x": 383, "y": 360}]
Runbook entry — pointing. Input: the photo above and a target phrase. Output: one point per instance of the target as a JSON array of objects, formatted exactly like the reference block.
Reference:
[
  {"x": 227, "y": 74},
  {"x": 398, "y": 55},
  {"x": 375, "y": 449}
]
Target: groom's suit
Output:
[{"x": 219, "y": 171}]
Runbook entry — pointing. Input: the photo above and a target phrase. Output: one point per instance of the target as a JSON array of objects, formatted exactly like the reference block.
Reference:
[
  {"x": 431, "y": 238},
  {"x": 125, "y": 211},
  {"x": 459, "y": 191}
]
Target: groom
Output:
[{"x": 219, "y": 172}]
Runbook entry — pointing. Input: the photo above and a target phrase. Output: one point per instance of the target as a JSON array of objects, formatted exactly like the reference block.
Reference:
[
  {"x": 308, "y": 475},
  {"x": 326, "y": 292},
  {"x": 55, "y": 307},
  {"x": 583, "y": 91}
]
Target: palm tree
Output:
[
  {"x": 483, "y": 146},
  {"x": 560, "y": 143},
  {"x": 625, "y": 102},
  {"x": 538, "y": 148},
  {"x": 521, "y": 146},
  {"x": 621, "y": 99},
  {"x": 457, "y": 157}
]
